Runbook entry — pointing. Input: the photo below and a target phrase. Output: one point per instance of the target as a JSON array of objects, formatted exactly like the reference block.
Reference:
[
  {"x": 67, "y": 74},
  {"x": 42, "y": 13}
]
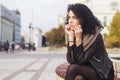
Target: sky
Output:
[
  {"x": 41, "y": 13},
  {"x": 44, "y": 13}
]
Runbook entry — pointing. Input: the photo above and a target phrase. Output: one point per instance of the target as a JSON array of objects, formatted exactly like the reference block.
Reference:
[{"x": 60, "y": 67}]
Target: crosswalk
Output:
[{"x": 29, "y": 69}]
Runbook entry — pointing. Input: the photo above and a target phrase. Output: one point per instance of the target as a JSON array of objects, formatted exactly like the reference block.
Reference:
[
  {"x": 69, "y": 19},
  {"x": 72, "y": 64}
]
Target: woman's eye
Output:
[
  {"x": 74, "y": 17},
  {"x": 68, "y": 17}
]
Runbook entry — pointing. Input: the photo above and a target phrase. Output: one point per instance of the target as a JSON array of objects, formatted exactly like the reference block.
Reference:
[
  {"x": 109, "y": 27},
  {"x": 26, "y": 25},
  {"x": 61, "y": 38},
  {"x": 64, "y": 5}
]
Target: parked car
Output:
[
  {"x": 26, "y": 45},
  {"x": 2, "y": 46},
  {"x": 17, "y": 45}
]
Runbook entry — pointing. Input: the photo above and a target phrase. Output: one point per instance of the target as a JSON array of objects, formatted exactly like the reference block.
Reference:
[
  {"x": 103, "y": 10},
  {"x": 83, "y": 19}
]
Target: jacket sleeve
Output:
[
  {"x": 81, "y": 57},
  {"x": 76, "y": 54},
  {"x": 70, "y": 54}
]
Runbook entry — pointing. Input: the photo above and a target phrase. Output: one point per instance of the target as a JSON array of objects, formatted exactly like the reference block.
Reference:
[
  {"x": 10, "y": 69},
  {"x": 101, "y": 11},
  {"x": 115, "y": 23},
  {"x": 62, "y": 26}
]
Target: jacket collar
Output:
[{"x": 89, "y": 39}]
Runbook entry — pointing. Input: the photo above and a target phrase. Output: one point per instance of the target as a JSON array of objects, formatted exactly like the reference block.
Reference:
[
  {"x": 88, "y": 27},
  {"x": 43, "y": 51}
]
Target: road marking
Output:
[
  {"x": 20, "y": 70},
  {"x": 40, "y": 71}
]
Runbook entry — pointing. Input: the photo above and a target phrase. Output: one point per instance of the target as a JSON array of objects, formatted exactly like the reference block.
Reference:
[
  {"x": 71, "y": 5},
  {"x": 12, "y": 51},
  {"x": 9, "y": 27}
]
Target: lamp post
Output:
[{"x": 30, "y": 32}]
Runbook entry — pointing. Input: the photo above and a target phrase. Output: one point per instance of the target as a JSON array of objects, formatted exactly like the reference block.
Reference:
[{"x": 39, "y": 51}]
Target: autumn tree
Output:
[
  {"x": 113, "y": 39},
  {"x": 56, "y": 36}
]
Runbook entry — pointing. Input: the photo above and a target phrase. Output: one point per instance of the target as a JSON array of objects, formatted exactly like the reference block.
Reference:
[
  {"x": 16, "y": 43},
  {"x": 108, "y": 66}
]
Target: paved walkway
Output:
[
  {"x": 41, "y": 69},
  {"x": 28, "y": 66},
  {"x": 32, "y": 65}
]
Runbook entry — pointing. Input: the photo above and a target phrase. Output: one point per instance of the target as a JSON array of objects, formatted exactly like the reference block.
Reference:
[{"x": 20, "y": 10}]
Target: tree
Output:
[
  {"x": 61, "y": 37},
  {"x": 113, "y": 39},
  {"x": 56, "y": 36}
]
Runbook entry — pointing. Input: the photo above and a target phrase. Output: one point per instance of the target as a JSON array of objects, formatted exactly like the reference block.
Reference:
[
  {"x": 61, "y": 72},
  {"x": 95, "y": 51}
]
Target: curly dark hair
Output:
[{"x": 88, "y": 21}]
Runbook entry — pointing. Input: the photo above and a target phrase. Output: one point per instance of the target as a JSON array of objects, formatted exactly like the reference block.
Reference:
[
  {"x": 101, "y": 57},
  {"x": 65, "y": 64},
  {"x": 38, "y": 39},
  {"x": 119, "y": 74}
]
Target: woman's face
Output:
[{"x": 72, "y": 19}]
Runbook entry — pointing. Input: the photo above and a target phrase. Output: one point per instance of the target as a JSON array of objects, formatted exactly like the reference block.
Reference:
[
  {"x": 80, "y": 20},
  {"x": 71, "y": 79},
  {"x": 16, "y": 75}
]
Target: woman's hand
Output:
[
  {"x": 78, "y": 34},
  {"x": 69, "y": 30},
  {"x": 74, "y": 31}
]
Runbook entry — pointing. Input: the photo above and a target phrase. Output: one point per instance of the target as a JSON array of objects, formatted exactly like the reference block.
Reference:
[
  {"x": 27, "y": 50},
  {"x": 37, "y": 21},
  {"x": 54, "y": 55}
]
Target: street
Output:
[
  {"x": 24, "y": 65},
  {"x": 38, "y": 65}
]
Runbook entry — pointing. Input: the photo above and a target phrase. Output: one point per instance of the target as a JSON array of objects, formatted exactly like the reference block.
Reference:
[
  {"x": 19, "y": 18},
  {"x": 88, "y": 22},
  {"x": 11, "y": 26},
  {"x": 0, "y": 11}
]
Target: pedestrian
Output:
[
  {"x": 29, "y": 46},
  {"x": 85, "y": 47},
  {"x": 12, "y": 47},
  {"x": 7, "y": 46},
  {"x": 0, "y": 46},
  {"x": 33, "y": 47}
]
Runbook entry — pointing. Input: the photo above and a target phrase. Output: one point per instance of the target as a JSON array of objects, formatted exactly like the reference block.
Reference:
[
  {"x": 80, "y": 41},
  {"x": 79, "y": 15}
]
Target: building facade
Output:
[
  {"x": 10, "y": 28},
  {"x": 17, "y": 27},
  {"x": 61, "y": 19},
  {"x": 37, "y": 37},
  {"x": 34, "y": 36}
]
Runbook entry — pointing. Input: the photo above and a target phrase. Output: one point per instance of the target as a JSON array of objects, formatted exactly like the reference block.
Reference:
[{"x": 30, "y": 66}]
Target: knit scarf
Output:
[{"x": 89, "y": 39}]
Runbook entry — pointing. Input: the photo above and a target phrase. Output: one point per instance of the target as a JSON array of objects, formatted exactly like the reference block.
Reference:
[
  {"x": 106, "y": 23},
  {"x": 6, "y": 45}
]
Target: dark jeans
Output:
[{"x": 86, "y": 71}]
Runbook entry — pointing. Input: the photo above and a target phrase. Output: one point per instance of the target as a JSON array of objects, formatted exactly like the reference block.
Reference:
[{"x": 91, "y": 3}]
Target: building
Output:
[
  {"x": 61, "y": 19},
  {"x": 17, "y": 27},
  {"x": 34, "y": 36},
  {"x": 104, "y": 10},
  {"x": 10, "y": 28}
]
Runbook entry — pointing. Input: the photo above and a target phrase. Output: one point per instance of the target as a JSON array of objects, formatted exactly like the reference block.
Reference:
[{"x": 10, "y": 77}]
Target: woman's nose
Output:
[{"x": 70, "y": 21}]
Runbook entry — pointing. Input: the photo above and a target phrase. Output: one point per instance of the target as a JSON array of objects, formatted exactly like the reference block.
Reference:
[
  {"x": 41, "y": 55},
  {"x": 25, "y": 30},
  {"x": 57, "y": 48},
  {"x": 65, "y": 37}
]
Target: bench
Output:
[{"x": 61, "y": 71}]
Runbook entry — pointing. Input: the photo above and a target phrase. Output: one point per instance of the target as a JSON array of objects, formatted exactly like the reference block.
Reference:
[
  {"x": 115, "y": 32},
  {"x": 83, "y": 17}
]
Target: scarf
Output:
[{"x": 89, "y": 39}]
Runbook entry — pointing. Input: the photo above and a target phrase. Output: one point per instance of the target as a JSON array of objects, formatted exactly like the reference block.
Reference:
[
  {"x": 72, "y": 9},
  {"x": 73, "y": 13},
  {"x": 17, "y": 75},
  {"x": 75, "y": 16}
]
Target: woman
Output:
[{"x": 86, "y": 51}]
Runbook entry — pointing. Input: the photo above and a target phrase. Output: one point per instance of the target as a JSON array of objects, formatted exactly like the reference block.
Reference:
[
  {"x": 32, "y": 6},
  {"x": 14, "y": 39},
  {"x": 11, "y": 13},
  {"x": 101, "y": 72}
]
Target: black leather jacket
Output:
[{"x": 96, "y": 55}]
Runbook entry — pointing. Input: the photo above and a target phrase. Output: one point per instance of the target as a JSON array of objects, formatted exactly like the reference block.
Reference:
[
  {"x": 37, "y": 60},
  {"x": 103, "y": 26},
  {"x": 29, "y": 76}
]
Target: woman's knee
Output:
[
  {"x": 73, "y": 67},
  {"x": 79, "y": 77},
  {"x": 72, "y": 70}
]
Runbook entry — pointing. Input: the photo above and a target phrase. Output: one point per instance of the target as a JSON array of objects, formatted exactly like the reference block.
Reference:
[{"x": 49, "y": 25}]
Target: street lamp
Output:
[
  {"x": 30, "y": 26},
  {"x": 29, "y": 32}
]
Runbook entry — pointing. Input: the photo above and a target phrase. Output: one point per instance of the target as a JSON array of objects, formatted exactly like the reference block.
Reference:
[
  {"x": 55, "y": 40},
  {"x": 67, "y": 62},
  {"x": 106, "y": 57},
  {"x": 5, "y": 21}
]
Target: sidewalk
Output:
[
  {"x": 65, "y": 49},
  {"x": 113, "y": 53},
  {"x": 32, "y": 67},
  {"x": 116, "y": 50},
  {"x": 28, "y": 66}
]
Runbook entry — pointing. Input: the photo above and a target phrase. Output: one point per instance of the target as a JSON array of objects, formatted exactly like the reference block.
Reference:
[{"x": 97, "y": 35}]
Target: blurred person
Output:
[
  {"x": 0, "y": 46},
  {"x": 7, "y": 46},
  {"x": 12, "y": 47},
  {"x": 85, "y": 46},
  {"x": 33, "y": 47},
  {"x": 29, "y": 46}
]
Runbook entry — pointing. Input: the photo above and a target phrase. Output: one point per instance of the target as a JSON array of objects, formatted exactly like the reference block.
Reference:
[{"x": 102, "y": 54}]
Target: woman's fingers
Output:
[
  {"x": 68, "y": 28},
  {"x": 78, "y": 29}
]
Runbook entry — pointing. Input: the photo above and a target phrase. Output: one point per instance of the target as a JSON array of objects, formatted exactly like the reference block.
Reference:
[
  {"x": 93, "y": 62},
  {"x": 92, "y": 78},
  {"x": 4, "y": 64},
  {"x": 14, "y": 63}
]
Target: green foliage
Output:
[
  {"x": 56, "y": 36},
  {"x": 113, "y": 39}
]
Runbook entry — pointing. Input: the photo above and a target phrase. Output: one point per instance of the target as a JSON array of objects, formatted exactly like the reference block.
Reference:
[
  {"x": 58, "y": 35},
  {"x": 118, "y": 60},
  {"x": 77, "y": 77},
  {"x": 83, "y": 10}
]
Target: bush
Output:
[{"x": 113, "y": 41}]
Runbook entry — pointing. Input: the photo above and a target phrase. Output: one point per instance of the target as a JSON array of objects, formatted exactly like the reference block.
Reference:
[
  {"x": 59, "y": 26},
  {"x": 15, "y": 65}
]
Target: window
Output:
[{"x": 114, "y": 5}]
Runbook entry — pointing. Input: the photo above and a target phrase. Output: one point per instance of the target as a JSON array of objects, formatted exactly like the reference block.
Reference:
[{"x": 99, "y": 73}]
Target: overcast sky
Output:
[{"x": 42, "y": 13}]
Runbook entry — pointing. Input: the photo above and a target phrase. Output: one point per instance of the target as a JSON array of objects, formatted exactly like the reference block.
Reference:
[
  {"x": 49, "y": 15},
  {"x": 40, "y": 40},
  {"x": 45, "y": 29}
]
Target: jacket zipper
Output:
[
  {"x": 72, "y": 54},
  {"x": 96, "y": 59},
  {"x": 97, "y": 68}
]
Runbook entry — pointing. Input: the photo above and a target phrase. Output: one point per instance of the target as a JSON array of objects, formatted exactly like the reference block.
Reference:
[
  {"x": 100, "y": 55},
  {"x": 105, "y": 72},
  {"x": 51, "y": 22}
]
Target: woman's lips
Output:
[{"x": 71, "y": 26}]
